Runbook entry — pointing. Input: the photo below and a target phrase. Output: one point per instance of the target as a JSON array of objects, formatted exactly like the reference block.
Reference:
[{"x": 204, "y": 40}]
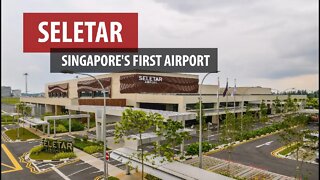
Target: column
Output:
[
  {"x": 54, "y": 128},
  {"x": 88, "y": 121},
  {"x": 49, "y": 130},
  {"x": 215, "y": 119},
  {"x": 69, "y": 122},
  {"x": 98, "y": 131}
]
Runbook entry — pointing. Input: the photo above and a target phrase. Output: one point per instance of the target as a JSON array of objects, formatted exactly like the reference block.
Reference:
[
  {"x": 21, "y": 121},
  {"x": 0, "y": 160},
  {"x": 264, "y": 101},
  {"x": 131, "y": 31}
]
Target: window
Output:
[
  {"x": 100, "y": 94},
  {"x": 193, "y": 106},
  {"x": 85, "y": 94}
]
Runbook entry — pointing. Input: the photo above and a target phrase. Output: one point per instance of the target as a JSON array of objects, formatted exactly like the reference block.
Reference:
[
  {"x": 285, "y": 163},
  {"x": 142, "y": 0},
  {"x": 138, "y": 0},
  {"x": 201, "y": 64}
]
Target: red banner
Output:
[{"x": 43, "y": 31}]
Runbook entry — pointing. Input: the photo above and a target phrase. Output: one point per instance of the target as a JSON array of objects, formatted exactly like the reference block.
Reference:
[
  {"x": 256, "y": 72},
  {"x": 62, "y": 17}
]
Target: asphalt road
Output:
[
  {"x": 10, "y": 170},
  {"x": 258, "y": 154}
]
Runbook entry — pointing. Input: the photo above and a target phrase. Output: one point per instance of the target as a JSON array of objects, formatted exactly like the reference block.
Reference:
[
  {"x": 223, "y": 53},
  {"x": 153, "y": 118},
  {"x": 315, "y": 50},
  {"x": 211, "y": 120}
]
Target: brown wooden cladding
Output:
[
  {"x": 158, "y": 84},
  {"x": 58, "y": 90},
  {"x": 99, "y": 102},
  {"x": 93, "y": 85}
]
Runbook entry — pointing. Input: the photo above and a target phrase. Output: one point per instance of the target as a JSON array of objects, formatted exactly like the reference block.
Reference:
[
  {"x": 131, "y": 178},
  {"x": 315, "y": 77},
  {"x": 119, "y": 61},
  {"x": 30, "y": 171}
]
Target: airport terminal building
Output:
[{"x": 157, "y": 91}]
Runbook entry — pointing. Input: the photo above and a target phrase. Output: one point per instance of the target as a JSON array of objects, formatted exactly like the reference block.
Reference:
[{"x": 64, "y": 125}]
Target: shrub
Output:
[
  {"x": 75, "y": 125},
  {"x": 61, "y": 129},
  {"x": 193, "y": 149},
  {"x": 64, "y": 155},
  {"x": 36, "y": 149},
  {"x": 6, "y": 118},
  {"x": 85, "y": 138},
  {"x": 92, "y": 149}
]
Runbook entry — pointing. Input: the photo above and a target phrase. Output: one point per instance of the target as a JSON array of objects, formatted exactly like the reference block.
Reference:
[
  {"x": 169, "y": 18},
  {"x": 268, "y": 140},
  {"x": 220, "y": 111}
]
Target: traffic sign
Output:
[{"x": 107, "y": 155}]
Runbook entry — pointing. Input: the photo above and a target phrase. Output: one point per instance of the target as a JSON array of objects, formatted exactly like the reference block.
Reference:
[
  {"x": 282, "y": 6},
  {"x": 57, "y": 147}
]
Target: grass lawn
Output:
[
  {"x": 5, "y": 119},
  {"x": 82, "y": 144},
  {"x": 10, "y": 100},
  {"x": 288, "y": 150},
  {"x": 24, "y": 134},
  {"x": 42, "y": 156}
]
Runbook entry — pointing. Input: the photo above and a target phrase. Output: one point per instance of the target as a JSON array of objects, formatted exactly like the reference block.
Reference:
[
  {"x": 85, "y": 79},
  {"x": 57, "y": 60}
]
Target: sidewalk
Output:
[{"x": 112, "y": 170}]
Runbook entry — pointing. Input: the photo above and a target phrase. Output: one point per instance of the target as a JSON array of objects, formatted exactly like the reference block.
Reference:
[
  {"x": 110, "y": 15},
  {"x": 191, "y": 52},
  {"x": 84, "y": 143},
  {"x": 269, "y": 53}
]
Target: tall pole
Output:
[
  {"x": 234, "y": 98},
  {"x": 200, "y": 122},
  {"x": 105, "y": 163},
  {"x": 26, "y": 81},
  {"x": 218, "y": 105}
]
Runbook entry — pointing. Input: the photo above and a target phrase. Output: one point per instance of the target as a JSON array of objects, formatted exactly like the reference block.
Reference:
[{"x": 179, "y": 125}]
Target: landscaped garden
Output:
[
  {"x": 87, "y": 146},
  {"x": 38, "y": 153},
  {"x": 62, "y": 126},
  {"x": 5, "y": 119},
  {"x": 24, "y": 134},
  {"x": 193, "y": 149}
]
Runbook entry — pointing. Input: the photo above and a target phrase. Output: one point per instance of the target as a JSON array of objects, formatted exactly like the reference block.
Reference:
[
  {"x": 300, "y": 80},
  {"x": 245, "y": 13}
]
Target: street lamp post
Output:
[
  {"x": 105, "y": 163},
  {"x": 26, "y": 80},
  {"x": 200, "y": 122}
]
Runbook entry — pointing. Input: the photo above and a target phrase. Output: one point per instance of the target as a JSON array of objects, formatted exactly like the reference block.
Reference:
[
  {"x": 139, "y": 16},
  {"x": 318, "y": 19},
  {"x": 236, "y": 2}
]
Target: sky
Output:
[{"x": 272, "y": 43}]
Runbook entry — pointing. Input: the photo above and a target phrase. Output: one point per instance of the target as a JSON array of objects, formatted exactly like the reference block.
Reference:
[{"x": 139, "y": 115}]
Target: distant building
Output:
[
  {"x": 16, "y": 93},
  {"x": 5, "y": 91}
]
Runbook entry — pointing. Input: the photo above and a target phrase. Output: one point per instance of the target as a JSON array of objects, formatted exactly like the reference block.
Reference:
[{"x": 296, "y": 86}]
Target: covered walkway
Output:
[
  {"x": 114, "y": 113},
  {"x": 64, "y": 117},
  {"x": 165, "y": 170}
]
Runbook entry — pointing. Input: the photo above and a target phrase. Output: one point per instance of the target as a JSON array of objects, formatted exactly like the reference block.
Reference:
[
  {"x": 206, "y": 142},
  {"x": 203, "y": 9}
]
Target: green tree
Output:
[
  {"x": 277, "y": 105},
  {"x": 293, "y": 135},
  {"x": 229, "y": 133},
  {"x": 136, "y": 122},
  {"x": 312, "y": 102},
  {"x": 263, "y": 112},
  {"x": 24, "y": 110},
  {"x": 173, "y": 134},
  {"x": 289, "y": 105},
  {"x": 247, "y": 120}
]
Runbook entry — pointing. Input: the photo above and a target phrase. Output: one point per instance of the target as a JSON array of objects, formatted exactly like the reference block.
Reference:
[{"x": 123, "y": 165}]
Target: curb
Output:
[
  {"x": 5, "y": 137},
  {"x": 276, "y": 154},
  {"x": 27, "y": 158}
]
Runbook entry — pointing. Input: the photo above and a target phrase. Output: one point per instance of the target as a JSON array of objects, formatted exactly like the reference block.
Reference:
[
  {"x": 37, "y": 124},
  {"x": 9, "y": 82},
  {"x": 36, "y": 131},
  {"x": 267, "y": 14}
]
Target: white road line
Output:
[
  {"x": 264, "y": 144},
  {"x": 80, "y": 171},
  {"x": 80, "y": 163},
  {"x": 95, "y": 172},
  {"x": 5, "y": 128},
  {"x": 60, "y": 173},
  {"x": 43, "y": 165}
]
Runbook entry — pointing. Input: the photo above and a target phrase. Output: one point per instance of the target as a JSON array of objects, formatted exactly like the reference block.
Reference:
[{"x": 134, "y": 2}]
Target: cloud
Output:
[{"x": 258, "y": 41}]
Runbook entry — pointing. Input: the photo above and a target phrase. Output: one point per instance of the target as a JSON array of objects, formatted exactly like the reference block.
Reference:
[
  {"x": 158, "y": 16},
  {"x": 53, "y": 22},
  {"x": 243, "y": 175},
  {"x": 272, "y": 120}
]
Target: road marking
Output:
[
  {"x": 17, "y": 166},
  {"x": 264, "y": 144},
  {"x": 95, "y": 172},
  {"x": 80, "y": 171},
  {"x": 2, "y": 164},
  {"x": 80, "y": 163},
  {"x": 5, "y": 128},
  {"x": 60, "y": 173}
]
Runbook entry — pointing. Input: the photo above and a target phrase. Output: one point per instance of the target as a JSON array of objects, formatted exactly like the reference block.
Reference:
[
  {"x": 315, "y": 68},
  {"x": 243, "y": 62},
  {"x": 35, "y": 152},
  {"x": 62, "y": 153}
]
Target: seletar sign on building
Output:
[
  {"x": 56, "y": 146},
  {"x": 44, "y": 31},
  {"x": 143, "y": 83}
]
